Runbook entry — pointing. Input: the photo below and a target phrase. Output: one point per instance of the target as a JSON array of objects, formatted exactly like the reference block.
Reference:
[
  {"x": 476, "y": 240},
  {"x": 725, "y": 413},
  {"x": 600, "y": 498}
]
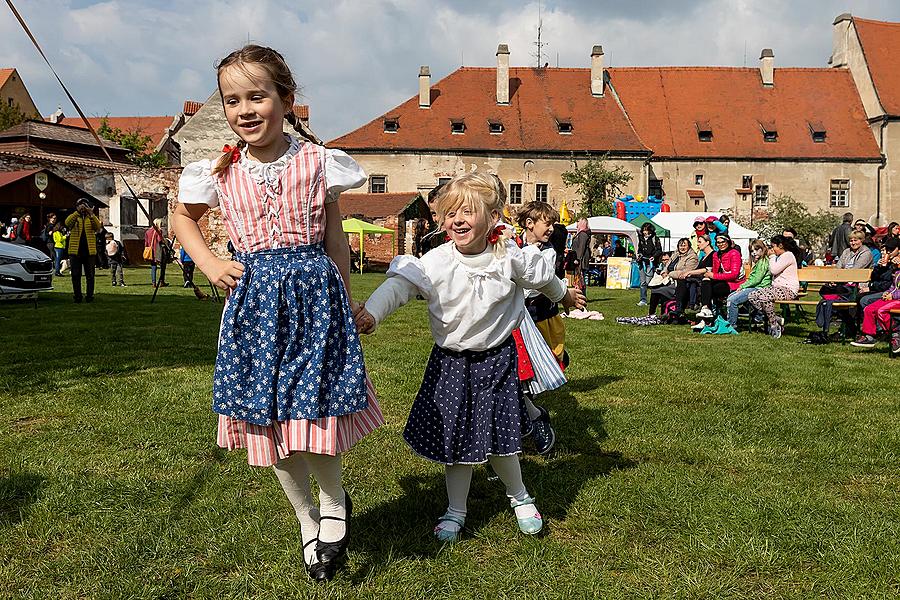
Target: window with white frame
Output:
[
  {"x": 515, "y": 193},
  {"x": 761, "y": 196},
  {"x": 378, "y": 184},
  {"x": 541, "y": 192},
  {"x": 840, "y": 193}
]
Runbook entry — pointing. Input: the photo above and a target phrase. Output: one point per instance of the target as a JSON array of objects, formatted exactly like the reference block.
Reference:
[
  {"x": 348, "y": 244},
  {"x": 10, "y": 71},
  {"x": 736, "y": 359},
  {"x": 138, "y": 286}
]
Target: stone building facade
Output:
[
  {"x": 14, "y": 93},
  {"x": 869, "y": 50},
  {"x": 705, "y": 138}
]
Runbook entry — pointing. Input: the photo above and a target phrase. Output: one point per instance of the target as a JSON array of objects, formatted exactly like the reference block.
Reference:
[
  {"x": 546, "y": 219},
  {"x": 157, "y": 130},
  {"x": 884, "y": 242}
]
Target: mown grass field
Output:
[{"x": 687, "y": 466}]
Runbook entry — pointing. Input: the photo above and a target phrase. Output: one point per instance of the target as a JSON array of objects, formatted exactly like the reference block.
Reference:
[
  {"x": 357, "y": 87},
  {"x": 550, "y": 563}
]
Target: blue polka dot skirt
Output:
[
  {"x": 288, "y": 347},
  {"x": 469, "y": 406}
]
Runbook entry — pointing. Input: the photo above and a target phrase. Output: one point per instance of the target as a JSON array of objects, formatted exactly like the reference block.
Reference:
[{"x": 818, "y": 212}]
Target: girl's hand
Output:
[
  {"x": 886, "y": 296},
  {"x": 574, "y": 298},
  {"x": 707, "y": 275},
  {"x": 365, "y": 322},
  {"x": 224, "y": 274}
]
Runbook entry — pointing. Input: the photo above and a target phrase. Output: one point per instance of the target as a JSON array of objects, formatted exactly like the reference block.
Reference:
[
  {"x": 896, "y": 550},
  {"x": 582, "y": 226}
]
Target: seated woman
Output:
[
  {"x": 724, "y": 277},
  {"x": 785, "y": 283},
  {"x": 685, "y": 259},
  {"x": 760, "y": 278},
  {"x": 877, "y": 316},
  {"x": 686, "y": 279},
  {"x": 858, "y": 255}
]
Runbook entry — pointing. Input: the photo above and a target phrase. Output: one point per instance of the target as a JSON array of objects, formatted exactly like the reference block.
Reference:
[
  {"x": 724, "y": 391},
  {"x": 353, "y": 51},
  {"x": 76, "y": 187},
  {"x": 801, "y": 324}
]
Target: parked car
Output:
[{"x": 24, "y": 271}]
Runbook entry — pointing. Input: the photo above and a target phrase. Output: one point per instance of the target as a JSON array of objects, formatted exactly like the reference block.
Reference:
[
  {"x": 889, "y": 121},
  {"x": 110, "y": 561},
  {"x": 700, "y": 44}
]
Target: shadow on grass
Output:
[
  {"x": 402, "y": 527},
  {"x": 18, "y": 491},
  {"x": 578, "y": 457}
]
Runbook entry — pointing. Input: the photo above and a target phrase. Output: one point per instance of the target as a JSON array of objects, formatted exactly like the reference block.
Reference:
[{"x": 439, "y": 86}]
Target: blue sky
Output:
[{"x": 355, "y": 59}]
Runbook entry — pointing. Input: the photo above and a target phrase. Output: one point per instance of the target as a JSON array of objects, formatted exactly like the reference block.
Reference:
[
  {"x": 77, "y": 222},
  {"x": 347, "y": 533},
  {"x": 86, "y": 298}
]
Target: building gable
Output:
[
  {"x": 880, "y": 43},
  {"x": 13, "y": 92}
]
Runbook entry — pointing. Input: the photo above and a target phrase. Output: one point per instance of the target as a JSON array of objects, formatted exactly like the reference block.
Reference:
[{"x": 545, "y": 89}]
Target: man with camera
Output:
[{"x": 83, "y": 226}]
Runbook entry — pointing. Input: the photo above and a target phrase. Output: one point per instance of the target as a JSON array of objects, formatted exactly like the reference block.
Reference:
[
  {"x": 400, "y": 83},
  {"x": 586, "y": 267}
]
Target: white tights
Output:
[
  {"x": 293, "y": 473},
  {"x": 459, "y": 478}
]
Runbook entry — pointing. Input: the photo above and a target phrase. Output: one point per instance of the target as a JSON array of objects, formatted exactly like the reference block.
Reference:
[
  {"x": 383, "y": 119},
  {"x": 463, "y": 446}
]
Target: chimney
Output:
[
  {"x": 597, "y": 71},
  {"x": 767, "y": 67},
  {"x": 424, "y": 87},
  {"x": 57, "y": 115},
  {"x": 503, "y": 74},
  {"x": 839, "y": 35}
]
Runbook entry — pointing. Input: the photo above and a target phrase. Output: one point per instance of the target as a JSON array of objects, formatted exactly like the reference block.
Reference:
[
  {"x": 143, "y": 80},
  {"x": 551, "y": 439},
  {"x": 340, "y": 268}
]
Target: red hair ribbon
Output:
[
  {"x": 495, "y": 234},
  {"x": 235, "y": 152}
]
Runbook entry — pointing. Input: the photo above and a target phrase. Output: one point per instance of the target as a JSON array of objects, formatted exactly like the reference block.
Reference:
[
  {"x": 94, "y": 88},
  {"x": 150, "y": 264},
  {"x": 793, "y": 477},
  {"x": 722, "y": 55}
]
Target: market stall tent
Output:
[
  {"x": 681, "y": 224},
  {"x": 661, "y": 232},
  {"x": 361, "y": 228},
  {"x": 611, "y": 226}
]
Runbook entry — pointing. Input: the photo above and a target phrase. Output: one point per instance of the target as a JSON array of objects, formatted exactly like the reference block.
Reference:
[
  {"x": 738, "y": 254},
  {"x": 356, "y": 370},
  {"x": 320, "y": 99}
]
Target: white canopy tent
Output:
[
  {"x": 610, "y": 225},
  {"x": 681, "y": 225}
]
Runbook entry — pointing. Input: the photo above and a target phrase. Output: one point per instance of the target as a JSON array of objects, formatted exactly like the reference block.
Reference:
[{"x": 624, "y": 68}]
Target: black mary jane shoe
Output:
[
  {"x": 318, "y": 571},
  {"x": 333, "y": 552}
]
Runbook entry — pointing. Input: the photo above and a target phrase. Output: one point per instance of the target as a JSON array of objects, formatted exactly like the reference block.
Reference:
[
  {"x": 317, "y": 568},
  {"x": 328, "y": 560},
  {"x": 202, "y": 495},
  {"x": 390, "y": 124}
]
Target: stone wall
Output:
[
  {"x": 381, "y": 248},
  {"x": 808, "y": 182}
]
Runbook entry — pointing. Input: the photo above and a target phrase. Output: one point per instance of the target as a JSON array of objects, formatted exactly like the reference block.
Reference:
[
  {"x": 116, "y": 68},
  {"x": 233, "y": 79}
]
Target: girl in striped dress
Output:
[{"x": 290, "y": 385}]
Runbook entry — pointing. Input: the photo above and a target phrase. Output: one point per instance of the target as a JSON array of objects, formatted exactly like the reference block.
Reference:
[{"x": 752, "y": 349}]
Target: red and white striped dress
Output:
[{"x": 277, "y": 205}]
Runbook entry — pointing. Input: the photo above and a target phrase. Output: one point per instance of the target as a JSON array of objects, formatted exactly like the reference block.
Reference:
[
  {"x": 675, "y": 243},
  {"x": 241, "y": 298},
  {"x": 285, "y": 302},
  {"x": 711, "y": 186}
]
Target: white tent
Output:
[
  {"x": 610, "y": 225},
  {"x": 681, "y": 224}
]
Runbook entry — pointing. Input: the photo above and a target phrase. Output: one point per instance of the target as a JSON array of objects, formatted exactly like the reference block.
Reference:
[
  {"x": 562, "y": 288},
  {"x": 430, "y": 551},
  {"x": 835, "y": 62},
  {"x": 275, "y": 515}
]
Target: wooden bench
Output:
[{"x": 816, "y": 277}]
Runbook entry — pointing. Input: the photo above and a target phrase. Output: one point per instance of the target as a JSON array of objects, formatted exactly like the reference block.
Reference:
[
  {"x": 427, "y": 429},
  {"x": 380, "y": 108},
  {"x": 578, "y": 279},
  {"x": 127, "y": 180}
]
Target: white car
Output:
[{"x": 24, "y": 271}]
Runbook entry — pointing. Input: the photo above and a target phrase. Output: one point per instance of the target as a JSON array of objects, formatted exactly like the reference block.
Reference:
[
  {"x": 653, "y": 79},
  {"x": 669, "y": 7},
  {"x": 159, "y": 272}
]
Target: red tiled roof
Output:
[
  {"x": 538, "y": 98},
  {"x": 56, "y": 132},
  {"x": 880, "y": 43},
  {"x": 191, "y": 107},
  {"x": 665, "y": 104},
  {"x": 155, "y": 127},
  {"x": 376, "y": 206},
  {"x": 301, "y": 111},
  {"x": 696, "y": 194},
  {"x": 10, "y": 176},
  {"x": 4, "y": 75}
]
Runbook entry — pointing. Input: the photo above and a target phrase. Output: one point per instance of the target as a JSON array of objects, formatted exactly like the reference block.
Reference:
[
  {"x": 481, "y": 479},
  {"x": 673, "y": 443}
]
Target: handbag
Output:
[
  {"x": 659, "y": 280},
  {"x": 148, "y": 253}
]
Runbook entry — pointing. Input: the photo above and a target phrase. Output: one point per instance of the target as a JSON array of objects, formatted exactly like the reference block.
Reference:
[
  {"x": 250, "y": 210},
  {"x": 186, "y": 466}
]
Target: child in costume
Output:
[
  {"x": 469, "y": 409},
  {"x": 290, "y": 385}
]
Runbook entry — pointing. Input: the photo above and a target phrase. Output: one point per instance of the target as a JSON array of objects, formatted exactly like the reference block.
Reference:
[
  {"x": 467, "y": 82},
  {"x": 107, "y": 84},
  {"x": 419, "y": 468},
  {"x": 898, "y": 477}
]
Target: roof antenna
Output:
[{"x": 539, "y": 45}]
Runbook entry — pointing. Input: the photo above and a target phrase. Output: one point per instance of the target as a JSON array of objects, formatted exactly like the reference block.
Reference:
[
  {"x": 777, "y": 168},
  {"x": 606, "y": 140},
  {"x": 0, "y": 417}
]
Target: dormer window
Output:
[
  {"x": 817, "y": 130},
  {"x": 769, "y": 131},
  {"x": 704, "y": 131},
  {"x": 457, "y": 126},
  {"x": 564, "y": 126},
  {"x": 391, "y": 124},
  {"x": 495, "y": 127}
]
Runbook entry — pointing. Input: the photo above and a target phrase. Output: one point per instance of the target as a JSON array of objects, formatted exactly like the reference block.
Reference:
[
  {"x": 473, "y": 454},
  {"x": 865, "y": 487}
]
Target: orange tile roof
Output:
[
  {"x": 4, "y": 75},
  {"x": 302, "y": 111},
  {"x": 538, "y": 98},
  {"x": 880, "y": 43},
  {"x": 155, "y": 127},
  {"x": 666, "y": 104},
  {"x": 191, "y": 107},
  {"x": 376, "y": 206}
]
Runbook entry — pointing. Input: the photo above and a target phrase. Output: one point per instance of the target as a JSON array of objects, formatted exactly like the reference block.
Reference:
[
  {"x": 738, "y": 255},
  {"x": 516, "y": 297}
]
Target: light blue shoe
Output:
[
  {"x": 448, "y": 535},
  {"x": 531, "y": 524}
]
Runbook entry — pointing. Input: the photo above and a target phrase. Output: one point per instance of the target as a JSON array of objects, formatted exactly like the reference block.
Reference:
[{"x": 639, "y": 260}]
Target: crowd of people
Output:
[{"x": 706, "y": 274}]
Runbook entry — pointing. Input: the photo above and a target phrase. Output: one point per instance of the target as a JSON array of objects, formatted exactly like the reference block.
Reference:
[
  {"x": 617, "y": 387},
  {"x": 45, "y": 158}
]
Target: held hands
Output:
[
  {"x": 574, "y": 298},
  {"x": 886, "y": 296},
  {"x": 365, "y": 322},
  {"x": 224, "y": 274}
]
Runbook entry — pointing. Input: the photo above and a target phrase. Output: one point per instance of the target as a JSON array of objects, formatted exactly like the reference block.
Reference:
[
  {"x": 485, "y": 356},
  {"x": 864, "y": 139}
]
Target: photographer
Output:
[{"x": 83, "y": 226}]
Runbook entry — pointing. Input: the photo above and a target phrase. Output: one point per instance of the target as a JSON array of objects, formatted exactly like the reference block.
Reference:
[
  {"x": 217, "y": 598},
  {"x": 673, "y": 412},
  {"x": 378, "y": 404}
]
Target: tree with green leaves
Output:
[
  {"x": 138, "y": 144},
  {"x": 12, "y": 115},
  {"x": 784, "y": 211},
  {"x": 598, "y": 185}
]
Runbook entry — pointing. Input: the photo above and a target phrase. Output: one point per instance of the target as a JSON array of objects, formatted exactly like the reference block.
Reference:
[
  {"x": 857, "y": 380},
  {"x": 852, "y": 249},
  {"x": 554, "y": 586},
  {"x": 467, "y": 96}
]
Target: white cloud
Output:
[{"x": 355, "y": 59}]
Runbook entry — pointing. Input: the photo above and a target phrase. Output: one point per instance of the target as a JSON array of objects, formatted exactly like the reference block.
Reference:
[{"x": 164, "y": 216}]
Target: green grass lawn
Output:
[{"x": 687, "y": 466}]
